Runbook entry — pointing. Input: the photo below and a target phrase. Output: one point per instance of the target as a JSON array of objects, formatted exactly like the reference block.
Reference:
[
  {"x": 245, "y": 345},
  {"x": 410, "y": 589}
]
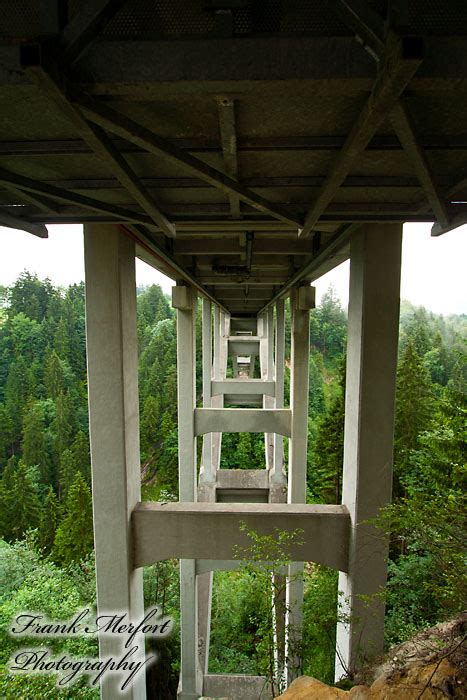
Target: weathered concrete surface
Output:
[
  {"x": 210, "y": 530},
  {"x": 236, "y": 687},
  {"x": 112, "y": 358},
  {"x": 373, "y": 327},
  {"x": 242, "y": 420}
]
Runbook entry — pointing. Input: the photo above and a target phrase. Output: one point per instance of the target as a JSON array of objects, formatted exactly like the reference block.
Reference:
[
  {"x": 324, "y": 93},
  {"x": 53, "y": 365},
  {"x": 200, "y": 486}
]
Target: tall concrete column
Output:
[
  {"x": 184, "y": 300},
  {"x": 207, "y": 481},
  {"x": 368, "y": 436},
  {"x": 112, "y": 359},
  {"x": 208, "y": 472},
  {"x": 302, "y": 299},
  {"x": 279, "y": 364}
]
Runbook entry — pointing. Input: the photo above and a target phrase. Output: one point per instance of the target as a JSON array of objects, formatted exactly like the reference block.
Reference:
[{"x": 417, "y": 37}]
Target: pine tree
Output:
[
  {"x": 414, "y": 409},
  {"x": 325, "y": 469},
  {"x": 20, "y": 504},
  {"x": 49, "y": 520},
  {"x": 81, "y": 455},
  {"x": 17, "y": 392},
  {"x": 63, "y": 423},
  {"x": 74, "y": 536},
  {"x": 316, "y": 405},
  {"x": 54, "y": 374},
  {"x": 150, "y": 430},
  {"x": 34, "y": 442},
  {"x": 66, "y": 473}
]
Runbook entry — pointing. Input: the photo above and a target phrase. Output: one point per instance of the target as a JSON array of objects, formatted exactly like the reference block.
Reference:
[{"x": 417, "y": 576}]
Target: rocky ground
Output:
[{"x": 432, "y": 665}]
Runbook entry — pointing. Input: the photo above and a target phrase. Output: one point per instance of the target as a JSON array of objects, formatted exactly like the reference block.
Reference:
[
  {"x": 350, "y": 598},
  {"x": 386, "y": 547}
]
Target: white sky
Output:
[{"x": 434, "y": 270}]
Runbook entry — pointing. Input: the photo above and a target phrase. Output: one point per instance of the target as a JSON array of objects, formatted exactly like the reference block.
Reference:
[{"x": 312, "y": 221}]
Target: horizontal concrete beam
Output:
[
  {"x": 242, "y": 479},
  {"x": 243, "y": 420},
  {"x": 236, "y": 685},
  {"x": 243, "y": 325},
  {"x": 243, "y": 401},
  {"x": 243, "y": 346},
  {"x": 247, "y": 387},
  {"x": 203, "y": 566},
  {"x": 211, "y": 530}
]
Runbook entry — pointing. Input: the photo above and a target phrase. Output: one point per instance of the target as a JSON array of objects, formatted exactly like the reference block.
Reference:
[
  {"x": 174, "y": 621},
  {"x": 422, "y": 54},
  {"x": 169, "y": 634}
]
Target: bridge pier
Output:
[{"x": 203, "y": 528}]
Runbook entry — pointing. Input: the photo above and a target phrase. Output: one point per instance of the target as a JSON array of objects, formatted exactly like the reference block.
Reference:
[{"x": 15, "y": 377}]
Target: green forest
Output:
[{"x": 46, "y": 545}]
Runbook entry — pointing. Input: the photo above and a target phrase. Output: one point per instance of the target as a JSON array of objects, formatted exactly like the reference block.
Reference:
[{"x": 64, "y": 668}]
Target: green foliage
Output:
[
  {"x": 35, "y": 449},
  {"x": 320, "y": 614},
  {"x": 327, "y": 451},
  {"x": 242, "y": 451},
  {"x": 267, "y": 559},
  {"x": 49, "y": 520},
  {"x": 414, "y": 407},
  {"x": 29, "y": 583},
  {"x": 328, "y": 326},
  {"x": 74, "y": 536},
  {"x": 427, "y": 575},
  {"x": 20, "y": 506}
]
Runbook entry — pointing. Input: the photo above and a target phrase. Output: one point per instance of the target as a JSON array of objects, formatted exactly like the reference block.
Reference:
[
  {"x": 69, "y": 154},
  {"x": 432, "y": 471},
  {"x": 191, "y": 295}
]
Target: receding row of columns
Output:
[{"x": 114, "y": 432}]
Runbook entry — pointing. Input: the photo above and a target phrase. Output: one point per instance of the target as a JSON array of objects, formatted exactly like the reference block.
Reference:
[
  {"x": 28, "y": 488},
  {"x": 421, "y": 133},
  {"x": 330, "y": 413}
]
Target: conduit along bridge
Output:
[{"x": 242, "y": 148}]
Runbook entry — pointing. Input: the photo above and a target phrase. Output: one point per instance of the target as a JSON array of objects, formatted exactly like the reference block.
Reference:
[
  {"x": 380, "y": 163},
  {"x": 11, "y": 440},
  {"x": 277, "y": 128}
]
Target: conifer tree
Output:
[
  {"x": 54, "y": 374},
  {"x": 63, "y": 423},
  {"x": 81, "y": 455},
  {"x": 414, "y": 409},
  {"x": 49, "y": 520},
  {"x": 74, "y": 536},
  {"x": 66, "y": 473},
  {"x": 34, "y": 441},
  {"x": 20, "y": 504},
  {"x": 327, "y": 453},
  {"x": 17, "y": 392},
  {"x": 150, "y": 420}
]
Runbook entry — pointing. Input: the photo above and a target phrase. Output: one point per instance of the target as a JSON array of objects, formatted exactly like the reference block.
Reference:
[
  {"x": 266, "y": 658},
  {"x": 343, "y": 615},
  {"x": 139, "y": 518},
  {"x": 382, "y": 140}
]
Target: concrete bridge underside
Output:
[{"x": 243, "y": 149}]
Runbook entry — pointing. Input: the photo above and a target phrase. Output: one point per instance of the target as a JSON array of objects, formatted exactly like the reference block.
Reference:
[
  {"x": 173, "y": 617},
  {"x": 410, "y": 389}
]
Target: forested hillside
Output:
[{"x": 46, "y": 560}]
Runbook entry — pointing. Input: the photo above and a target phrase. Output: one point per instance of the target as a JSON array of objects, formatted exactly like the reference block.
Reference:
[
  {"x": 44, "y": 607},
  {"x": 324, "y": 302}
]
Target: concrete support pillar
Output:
[
  {"x": 368, "y": 437},
  {"x": 112, "y": 360},
  {"x": 207, "y": 467},
  {"x": 207, "y": 476},
  {"x": 184, "y": 300},
  {"x": 278, "y": 476},
  {"x": 300, "y": 351},
  {"x": 219, "y": 372}
]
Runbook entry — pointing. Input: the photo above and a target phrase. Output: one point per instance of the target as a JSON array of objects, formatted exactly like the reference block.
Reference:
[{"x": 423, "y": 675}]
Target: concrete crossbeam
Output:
[
  {"x": 243, "y": 346},
  {"x": 236, "y": 685},
  {"x": 242, "y": 420},
  {"x": 247, "y": 387},
  {"x": 242, "y": 478},
  {"x": 211, "y": 530}
]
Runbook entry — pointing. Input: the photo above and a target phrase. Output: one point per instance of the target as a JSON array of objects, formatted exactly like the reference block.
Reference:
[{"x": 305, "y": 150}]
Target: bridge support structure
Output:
[{"x": 243, "y": 364}]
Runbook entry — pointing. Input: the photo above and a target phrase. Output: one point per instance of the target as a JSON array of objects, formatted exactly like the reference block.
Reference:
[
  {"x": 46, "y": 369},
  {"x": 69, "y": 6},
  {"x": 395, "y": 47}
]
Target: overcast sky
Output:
[{"x": 433, "y": 269}]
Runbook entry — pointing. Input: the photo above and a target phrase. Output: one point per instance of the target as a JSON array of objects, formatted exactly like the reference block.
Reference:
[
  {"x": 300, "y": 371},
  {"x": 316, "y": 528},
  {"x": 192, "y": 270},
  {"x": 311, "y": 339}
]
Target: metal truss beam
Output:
[
  {"x": 102, "y": 146},
  {"x": 405, "y": 130},
  {"x": 367, "y": 24},
  {"x": 456, "y": 221},
  {"x": 226, "y": 108},
  {"x": 40, "y": 188},
  {"x": 85, "y": 26},
  {"x": 127, "y": 128},
  {"x": 17, "y": 222},
  {"x": 258, "y": 144},
  {"x": 402, "y": 59}
]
